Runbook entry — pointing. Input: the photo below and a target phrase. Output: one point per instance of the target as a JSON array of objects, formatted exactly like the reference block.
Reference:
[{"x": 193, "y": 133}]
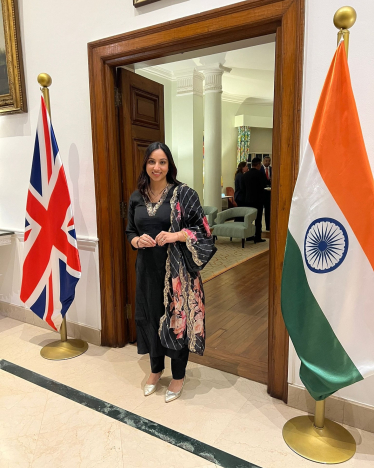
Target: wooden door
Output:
[
  {"x": 236, "y": 22},
  {"x": 141, "y": 122}
]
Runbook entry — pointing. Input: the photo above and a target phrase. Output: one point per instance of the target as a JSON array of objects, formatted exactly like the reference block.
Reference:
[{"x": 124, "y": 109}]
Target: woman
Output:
[
  {"x": 242, "y": 168},
  {"x": 166, "y": 223}
]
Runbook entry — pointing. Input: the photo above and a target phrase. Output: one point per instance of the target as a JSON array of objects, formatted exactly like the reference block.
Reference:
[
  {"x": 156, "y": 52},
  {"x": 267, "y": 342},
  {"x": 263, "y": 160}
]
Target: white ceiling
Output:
[{"x": 251, "y": 62}]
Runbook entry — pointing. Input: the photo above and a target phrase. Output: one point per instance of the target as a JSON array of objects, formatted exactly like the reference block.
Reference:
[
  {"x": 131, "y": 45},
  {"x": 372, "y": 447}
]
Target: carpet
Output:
[{"x": 230, "y": 254}]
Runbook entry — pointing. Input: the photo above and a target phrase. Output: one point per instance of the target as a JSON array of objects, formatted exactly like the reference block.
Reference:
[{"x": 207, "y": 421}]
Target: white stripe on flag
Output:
[{"x": 346, "y": 294}]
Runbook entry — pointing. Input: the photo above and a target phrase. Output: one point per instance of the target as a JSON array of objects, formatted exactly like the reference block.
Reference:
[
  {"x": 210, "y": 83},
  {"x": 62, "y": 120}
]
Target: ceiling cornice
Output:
[
  {"x": 241, "y": 98},
  {"x": 161, "y": 72}
]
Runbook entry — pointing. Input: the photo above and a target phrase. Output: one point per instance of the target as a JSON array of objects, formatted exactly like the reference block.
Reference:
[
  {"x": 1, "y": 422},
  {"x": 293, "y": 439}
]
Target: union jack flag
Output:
[{"x": 51, "y": 268}]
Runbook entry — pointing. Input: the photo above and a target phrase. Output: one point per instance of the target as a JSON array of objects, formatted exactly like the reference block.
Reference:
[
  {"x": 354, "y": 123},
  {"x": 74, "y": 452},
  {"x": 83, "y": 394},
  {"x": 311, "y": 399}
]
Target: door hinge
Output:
[
  {"x": 117, "y": 97},
  {"x": 123, "y": 208},
  {"x": 128, "y": 311}
]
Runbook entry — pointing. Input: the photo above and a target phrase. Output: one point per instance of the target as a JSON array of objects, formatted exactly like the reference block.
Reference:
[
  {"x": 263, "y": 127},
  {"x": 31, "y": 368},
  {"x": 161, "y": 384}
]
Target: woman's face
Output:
[{"x": 157, "y": 166}]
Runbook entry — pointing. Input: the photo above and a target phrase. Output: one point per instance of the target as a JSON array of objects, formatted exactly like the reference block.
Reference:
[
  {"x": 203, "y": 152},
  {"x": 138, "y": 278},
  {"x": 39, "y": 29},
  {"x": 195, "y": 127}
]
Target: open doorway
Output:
[
  {"x": 238, "y": 22},
  {"x": 165, "y": 100}
]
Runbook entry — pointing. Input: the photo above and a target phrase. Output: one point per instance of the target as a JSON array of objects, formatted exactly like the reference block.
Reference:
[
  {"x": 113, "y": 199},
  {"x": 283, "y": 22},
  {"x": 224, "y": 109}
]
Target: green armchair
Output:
[
  {"x": 241, "y": 229},
  {"x": 211, "y": 214}
]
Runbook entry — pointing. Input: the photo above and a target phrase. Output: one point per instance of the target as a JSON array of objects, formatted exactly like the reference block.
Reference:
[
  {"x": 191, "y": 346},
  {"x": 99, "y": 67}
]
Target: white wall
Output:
[
  {"x": 54, "y": 40},
  {"x": 261, "y": 140},
  {"x": 61, "y": 50},
  {"x": 320, "y": 45}
]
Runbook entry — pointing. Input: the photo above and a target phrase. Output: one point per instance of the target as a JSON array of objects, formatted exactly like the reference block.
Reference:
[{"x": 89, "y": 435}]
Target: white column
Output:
[
  {"x": 190, "y": 127},
  {"x": 213, "y": 136}
]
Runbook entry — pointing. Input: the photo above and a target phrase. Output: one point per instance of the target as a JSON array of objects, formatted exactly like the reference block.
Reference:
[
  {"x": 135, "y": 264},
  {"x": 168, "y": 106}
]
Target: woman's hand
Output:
[
  {"x": 146, "y": 241},
  {"x": 167, "y": 237}
]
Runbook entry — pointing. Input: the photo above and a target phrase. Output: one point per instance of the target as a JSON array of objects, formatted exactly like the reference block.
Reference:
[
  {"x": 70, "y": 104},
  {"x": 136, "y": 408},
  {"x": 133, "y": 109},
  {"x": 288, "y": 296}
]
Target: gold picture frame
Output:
[
  {"x": 139, "y": 3},
  {"x": 12, "y": 79}
]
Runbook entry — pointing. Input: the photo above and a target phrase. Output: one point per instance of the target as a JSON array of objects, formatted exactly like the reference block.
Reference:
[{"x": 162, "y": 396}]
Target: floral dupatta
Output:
[{"x": 183, "y": 323}]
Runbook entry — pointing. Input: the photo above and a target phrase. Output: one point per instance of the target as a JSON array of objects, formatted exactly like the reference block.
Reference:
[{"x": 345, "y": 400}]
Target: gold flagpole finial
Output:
[
  {"x": 344, "y": 19},
  {"x": 45, "y": 81}
]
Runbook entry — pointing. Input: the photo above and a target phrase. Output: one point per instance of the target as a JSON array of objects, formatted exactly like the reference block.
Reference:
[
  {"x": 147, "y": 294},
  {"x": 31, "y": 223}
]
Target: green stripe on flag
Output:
[{"x": 325, "y": 366}]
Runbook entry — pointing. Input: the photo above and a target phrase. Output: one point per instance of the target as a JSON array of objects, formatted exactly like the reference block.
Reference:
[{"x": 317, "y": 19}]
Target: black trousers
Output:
[
  {"x": 178, "y": 366},
  {"x": 258, "y": 222},
  {"x": 267, "y": 203}
]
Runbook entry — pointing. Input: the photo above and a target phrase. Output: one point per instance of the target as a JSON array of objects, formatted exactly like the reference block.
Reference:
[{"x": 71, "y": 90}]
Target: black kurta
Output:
[{"x": 150, "y": 274}]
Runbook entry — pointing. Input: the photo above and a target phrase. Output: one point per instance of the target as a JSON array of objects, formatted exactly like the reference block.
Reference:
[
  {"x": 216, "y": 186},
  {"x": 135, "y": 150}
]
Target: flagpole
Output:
[
  {"x": 319, "y": 439},
  {"x": 65, "y": 348}
]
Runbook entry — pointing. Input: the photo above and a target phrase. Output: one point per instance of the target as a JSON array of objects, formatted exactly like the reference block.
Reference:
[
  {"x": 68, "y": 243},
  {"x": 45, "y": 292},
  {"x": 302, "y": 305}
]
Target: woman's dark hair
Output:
[
  {"x": 171, "y": 177},
  {"x": 241, "y": 166}
]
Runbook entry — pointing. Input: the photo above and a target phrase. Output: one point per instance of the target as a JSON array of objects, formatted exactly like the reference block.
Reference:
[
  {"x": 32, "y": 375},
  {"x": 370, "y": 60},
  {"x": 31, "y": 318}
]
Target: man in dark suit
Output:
[
  {"x": 253, "y": 183},
  {"x": 268, "y": 172}
]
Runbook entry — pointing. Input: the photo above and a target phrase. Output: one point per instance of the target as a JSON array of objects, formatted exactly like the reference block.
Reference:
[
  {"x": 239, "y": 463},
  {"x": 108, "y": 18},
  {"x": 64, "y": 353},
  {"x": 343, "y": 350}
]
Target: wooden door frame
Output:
[{"x": 236, "y": 22}]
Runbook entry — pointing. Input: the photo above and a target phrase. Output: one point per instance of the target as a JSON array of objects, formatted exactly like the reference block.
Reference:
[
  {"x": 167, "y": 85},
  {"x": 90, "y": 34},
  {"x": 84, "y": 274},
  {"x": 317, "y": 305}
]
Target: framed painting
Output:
[
  {"x": 139, "y": 3},
  {"x": 12, "y": 80}
]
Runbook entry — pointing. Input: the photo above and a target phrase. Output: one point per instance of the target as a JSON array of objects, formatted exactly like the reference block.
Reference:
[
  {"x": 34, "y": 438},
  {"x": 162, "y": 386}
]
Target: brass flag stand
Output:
[
  {"x": 65, "y": 348},
  {"x": 319, "y": 439}
]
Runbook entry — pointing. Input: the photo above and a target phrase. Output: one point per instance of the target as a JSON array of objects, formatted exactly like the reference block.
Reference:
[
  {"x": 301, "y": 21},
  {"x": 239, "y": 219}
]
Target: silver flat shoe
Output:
[
  {"x": 149, "y": 388},
  {"x": 170, "y": 396}
]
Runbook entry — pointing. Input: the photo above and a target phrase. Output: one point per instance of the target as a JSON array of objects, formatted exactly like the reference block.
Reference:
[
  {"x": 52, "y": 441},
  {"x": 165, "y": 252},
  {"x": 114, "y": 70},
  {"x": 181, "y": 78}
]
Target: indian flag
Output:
[{"x": 328, "y": 278}]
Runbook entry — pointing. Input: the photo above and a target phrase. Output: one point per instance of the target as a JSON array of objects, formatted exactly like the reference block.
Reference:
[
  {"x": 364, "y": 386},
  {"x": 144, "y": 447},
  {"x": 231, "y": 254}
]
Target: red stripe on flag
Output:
[
  {"x": 27, "y": 233},
  {"x": 47, "y": 140},
  {"x": 340, "y": 153},
  {"x": 48, "y": 318}
]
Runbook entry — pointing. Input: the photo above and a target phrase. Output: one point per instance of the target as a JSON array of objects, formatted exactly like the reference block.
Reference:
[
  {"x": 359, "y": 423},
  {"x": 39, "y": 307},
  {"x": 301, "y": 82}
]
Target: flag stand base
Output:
[
  {"x": 65, "y": 348},
  {"x": 330, "y": 444},
  {"x": 59, "y": 350}
]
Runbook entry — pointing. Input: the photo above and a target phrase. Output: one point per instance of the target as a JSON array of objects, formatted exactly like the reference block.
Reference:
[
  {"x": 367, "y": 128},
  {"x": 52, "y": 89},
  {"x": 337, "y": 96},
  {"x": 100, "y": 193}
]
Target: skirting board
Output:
[
  {"x": 75, "y": 330},
  {"x": 339, "y": 410}
]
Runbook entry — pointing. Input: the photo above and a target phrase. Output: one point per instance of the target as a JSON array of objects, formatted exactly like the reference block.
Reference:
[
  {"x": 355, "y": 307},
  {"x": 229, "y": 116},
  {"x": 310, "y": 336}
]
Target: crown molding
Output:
[
  {"x": 248, "y": 100},
  {"x": 185, "y": 86},
  {"x": 160, "y": 72},
  {"x": 234, "y": 98}
]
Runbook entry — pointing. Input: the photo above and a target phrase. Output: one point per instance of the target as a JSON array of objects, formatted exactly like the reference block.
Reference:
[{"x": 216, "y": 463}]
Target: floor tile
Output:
[
  {"x": 246, "y": 388},
  {"x": 8, "y": 326},
  {"x": 202, "y": 412},
  {"x": 80, "y": 446},
  {"x": 39, "y": 428},
  {"x": 17, "y": 452},
  {"x": 144, "y": 451},
  {"x": 21, "y": 412},
  {"x": 255, "y": 434}
]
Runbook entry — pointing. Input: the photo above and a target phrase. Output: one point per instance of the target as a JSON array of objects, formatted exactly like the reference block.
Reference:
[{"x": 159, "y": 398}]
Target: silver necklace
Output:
[{"x": 159, "y": 193}]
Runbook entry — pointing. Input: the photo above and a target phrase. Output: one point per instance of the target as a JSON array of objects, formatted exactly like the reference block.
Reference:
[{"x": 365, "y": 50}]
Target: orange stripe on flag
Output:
[{"x": 339, "y": 148}]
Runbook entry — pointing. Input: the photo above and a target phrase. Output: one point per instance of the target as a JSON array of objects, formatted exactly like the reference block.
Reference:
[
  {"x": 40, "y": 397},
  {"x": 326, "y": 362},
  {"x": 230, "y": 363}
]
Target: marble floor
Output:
[{"x": 39, "y": 428}]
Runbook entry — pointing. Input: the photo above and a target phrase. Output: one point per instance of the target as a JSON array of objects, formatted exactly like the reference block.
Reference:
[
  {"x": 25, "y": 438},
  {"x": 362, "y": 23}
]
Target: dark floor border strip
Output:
[{"x": 200, "y": 449}]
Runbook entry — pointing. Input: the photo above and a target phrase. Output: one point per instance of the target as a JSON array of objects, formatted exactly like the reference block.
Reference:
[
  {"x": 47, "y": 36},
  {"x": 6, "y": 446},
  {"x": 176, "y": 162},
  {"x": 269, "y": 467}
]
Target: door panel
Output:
[
  {"x": 141, "y": 122},
  {"x": 145, "y": 109}
]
